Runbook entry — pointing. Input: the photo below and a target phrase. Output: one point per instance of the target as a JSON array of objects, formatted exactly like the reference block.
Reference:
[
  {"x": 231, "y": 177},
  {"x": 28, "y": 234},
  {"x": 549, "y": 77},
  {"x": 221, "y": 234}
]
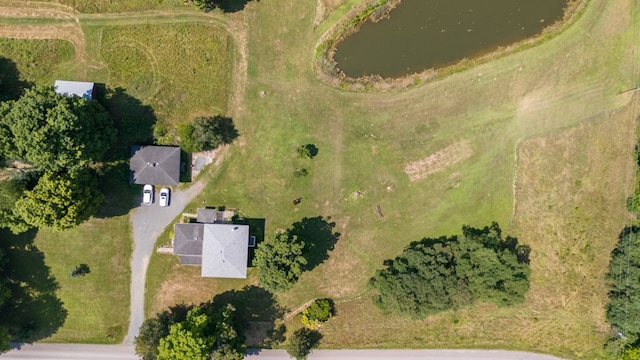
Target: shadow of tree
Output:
[
  {"x": 257, "y": 311},
  {"x": 319, "y": 238},
  {"x": 11, "y": 87},
  {"x": 33, "y": 311},
  {"x": 228, "y": 6},
  {"x": 134, "y": 122}
]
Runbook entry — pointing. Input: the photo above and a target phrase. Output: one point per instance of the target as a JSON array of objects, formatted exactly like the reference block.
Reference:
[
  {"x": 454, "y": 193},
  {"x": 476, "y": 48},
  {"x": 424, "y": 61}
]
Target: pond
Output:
[{"x": 424, "y": 34}]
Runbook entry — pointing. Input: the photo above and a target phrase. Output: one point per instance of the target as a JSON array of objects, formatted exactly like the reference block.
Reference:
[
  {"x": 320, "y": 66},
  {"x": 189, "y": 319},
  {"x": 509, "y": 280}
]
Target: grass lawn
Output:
[
  {"x": 554, "y": 111},
  {"x": 154, "y": 74}
]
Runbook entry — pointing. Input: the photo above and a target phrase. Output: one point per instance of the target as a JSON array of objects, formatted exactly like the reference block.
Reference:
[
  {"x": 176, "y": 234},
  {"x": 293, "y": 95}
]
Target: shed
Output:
[{"x": 78, "y": 88}]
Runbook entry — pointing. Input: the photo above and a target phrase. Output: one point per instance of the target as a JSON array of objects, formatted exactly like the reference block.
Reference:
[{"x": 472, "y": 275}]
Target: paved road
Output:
[
  {"x": 147, "y": 223},
  {"x": 125, "y": 352}
]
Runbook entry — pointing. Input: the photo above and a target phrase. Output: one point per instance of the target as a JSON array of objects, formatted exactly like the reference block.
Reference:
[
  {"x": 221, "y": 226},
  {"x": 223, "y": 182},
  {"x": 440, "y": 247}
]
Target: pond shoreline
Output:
[{"x": 327, "y": 71}]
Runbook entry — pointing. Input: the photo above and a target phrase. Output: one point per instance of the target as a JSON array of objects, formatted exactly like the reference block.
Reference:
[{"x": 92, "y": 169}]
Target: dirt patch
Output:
[{"x": 439, "y": 161}]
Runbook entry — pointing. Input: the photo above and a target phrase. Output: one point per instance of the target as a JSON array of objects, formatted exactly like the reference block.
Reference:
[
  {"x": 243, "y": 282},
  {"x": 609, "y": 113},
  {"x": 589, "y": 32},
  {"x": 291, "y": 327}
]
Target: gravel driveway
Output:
[{"x": 148, "y": 222}]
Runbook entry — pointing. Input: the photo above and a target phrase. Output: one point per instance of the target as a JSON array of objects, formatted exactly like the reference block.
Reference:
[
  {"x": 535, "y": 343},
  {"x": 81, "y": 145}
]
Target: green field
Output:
[
  {"x": 540, "y": 140},
  {"x": 555, "y": 106}
]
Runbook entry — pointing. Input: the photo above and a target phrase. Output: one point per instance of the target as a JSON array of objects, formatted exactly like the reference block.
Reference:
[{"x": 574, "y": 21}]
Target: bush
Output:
[
  {"x": 307, "y": 151},
  {"x": 318, "y": 312},
  {"x": 206, "y": 133}
]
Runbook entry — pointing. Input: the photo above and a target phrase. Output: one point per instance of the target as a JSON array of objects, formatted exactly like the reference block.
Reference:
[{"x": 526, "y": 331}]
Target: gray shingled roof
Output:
[
  {"x": 225, "y": 251},
  {"x": 78, "y": 88},
  {"x": 187, "y": 243},
  {"x": 156, "y": 165},
  {"x": 206, "y": 215}
]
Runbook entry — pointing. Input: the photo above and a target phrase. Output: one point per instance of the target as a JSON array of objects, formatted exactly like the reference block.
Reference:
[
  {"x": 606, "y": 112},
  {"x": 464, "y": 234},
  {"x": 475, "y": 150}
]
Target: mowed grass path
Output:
[
  {"x": 163, "y": 71},
  {"x": 366, "y": 140}
]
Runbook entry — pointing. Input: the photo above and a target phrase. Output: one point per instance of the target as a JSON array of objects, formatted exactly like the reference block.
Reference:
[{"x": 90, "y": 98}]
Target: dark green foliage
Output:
[
  {"x": 280, "y": 261},
  {"x": 318, "y": 312},
  {"x": 156, "y": 328},
  {"x": 80, "y": 270},
  {"x": 60, "y": 201},
  {"x": 302, "y": 342},
  {"x": 623, "y": 310},
  {"x": 206, "y": 133},
  {"x": 192, "y": 332},
  {"x": 434, "y": 275},
  {"x": 224, "y": 5},
  {"x": 53, "y": 132},
  {"x": 307, "y": 151}
]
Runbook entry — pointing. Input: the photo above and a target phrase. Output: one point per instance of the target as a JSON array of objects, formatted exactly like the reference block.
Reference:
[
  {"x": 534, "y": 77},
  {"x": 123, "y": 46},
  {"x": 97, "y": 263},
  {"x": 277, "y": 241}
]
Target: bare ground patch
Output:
[{"x": 439, "y": 161}]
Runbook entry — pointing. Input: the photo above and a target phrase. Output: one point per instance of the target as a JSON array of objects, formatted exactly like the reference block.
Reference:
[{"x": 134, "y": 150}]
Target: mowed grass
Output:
[
  {"x": 98, "y": 303},
  {"x": 176, "y": 71},
  {"x": 181, "y": 71},
  {"x": 556, "y": 106},
  {"x": 98, "y": 6}
]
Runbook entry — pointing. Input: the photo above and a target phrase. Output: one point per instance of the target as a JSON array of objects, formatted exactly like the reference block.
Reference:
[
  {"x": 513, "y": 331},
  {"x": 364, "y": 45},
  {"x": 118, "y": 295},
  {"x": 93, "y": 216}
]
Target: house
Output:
[
  {"x": 77, "y": 88},
  {"x": 155, "y": 165},
  {"x": 220, "y": 247}
]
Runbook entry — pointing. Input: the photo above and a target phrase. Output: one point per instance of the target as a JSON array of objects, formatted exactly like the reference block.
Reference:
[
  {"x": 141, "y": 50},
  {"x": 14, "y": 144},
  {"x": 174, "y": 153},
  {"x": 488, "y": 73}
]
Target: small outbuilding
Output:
[
  {"x": 78, "y": 88},
  {"x": 155, "y": 165}
]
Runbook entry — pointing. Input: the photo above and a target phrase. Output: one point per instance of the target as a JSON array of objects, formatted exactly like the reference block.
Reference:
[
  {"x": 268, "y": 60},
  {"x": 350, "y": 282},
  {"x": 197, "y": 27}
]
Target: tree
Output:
[
  {"x": 623, "y": 310},
  {"x": 54, "y": 132},
  {"x": 5, "y": 294},
  {"x": 204, "y": 332},
  {"x": 307, "y": 151},
  {"x": 60, "y": 201},
  {"x": 156, "y": 328},
  {"x": 206, "y": 133},
  {"x": 280, "y": 261},
  {"x": 434, "y": 275},
  {"x": 318, "y": 312},
  {"x": 302, "y": 342},
  {"x": 189, "y": 339}
]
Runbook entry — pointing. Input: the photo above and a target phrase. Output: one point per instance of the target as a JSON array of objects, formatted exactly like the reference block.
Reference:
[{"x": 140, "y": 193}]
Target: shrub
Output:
[
  {"x": 318, "y": 312},
  {"x": 206, "y": 133}
]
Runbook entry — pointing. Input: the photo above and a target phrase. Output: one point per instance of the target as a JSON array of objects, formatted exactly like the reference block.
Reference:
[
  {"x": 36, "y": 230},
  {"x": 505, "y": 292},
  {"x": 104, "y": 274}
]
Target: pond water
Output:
[{"x": 423, "y": 34}]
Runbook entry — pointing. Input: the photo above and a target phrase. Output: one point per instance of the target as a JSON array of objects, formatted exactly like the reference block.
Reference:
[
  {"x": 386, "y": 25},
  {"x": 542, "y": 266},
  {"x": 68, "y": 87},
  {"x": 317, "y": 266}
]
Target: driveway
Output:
[{"x": 147, "y": 223}]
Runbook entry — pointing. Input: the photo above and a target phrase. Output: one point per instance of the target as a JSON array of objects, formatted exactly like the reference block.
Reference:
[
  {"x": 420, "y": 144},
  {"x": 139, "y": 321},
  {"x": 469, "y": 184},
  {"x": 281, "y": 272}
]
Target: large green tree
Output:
[
  {"x": 623, "y": 310},
  {"x": 5, "y": 294},
  {"x": 280, "y": 261},
  {"x": 301, "y": 342},
  {"x": 204, "y": 332},
  {"x": 434, "y": 275},
  {"x": 54, "y": 132},
  {"x": 60, "y": 201}
]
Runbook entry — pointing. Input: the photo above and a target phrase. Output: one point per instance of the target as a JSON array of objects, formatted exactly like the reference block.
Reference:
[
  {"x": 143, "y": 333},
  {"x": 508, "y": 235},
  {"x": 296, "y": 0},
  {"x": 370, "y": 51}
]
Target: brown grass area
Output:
[
  {"x": 439, "y": 160},
  {"x": 184, "y": 285}
]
